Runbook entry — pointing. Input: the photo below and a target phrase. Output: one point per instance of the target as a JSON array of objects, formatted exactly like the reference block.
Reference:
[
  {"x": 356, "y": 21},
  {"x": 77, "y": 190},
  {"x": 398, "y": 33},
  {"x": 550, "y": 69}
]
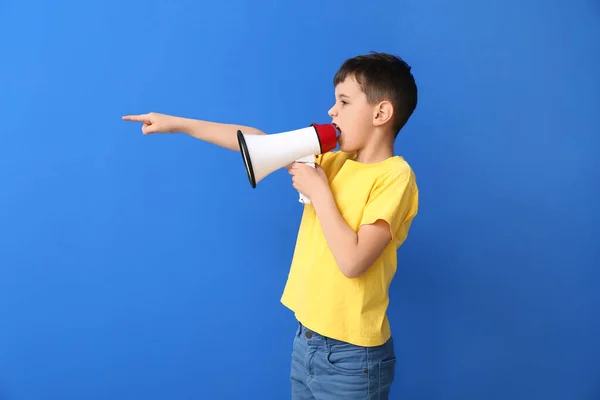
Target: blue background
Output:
[{"x": 145, "y": 267}]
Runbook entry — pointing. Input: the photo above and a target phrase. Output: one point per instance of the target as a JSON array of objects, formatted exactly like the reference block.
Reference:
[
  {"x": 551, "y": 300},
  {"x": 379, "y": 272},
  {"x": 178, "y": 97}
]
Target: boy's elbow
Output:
[
  {"x": 356, "y": 264},
  {"x": 352, "y": 270},
  {"x": 351, "y": 274}
]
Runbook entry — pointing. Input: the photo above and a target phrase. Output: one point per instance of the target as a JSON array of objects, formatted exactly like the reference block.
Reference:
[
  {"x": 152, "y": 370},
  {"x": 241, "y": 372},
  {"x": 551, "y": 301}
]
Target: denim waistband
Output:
[{"x": 314, "y": 338}]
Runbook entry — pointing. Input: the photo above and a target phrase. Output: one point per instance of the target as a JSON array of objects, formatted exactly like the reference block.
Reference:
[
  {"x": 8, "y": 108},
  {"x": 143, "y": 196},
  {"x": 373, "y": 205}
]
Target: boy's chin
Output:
[{"x": 344, "y": 148}]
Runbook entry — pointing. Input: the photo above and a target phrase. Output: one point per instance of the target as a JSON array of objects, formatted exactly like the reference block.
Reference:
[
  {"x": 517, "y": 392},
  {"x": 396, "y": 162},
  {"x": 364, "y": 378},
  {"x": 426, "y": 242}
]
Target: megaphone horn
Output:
[{"x": 263, "y": 154}]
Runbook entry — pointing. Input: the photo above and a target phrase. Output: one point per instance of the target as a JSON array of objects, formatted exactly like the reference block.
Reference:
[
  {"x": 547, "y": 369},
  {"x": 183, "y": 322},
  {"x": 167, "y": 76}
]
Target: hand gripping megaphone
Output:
[{"x": 263, "y": 154}]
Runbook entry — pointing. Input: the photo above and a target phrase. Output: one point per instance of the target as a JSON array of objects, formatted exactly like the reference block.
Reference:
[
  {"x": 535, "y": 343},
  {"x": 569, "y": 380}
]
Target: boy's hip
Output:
[
  {"x": 341, "y": 355},
  {"x": 326, "y": 363}
]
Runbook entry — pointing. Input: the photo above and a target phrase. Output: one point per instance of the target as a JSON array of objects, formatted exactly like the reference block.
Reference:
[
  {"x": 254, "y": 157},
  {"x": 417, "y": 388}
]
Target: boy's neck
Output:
[{"x": 375, "y": 151}]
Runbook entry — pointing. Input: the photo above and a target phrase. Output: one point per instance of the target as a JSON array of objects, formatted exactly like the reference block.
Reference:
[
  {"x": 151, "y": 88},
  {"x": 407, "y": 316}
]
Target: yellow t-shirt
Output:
[{"x": 353, "y": 310}]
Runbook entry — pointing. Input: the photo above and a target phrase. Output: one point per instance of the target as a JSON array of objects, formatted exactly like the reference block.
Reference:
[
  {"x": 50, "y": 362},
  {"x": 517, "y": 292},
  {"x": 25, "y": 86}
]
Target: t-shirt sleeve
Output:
[{"x": 393, "y": 199}]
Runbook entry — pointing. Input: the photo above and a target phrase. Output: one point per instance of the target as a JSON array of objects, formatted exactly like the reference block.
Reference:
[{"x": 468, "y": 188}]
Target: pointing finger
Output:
[{"x": 138, "y": 118}]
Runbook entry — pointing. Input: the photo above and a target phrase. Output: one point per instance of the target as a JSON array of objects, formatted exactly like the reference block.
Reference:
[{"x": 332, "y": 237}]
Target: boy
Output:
[{"x": 363, "y": 202}]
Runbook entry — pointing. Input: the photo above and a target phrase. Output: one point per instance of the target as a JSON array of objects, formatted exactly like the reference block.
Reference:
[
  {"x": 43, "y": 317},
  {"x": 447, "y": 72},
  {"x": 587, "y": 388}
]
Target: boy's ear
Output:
[{"x": 383, "y": 113}]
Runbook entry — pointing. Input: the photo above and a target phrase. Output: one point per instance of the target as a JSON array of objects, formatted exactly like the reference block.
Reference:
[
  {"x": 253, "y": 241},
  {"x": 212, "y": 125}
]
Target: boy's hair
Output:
[{"x": 383, "y": 76}]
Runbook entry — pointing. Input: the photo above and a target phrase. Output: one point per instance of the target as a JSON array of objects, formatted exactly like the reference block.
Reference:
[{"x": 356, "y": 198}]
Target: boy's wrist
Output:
[
  {"x": 179, "y": 125},
  {"x": 322, "y": 198}
]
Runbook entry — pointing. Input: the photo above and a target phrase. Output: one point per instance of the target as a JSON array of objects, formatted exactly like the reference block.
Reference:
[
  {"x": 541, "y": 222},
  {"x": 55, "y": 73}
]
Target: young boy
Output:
[{"x": 363, "y": 202}]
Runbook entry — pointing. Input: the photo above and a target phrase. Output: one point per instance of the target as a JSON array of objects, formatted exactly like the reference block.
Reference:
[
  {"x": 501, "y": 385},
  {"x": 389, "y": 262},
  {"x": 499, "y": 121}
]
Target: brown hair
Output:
[{"x": 383, "y": 76}]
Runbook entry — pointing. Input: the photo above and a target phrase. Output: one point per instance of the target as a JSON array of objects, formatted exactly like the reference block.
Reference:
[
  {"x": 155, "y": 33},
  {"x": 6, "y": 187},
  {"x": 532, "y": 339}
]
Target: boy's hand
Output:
[
  {"x": 155, "y": 122},
  {"x": 311, "y": 182}
]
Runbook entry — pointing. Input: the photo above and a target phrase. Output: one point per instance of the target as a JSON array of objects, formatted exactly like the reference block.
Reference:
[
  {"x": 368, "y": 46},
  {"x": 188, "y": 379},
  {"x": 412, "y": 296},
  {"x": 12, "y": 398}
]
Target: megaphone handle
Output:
[{"x": 303, "y": 199}]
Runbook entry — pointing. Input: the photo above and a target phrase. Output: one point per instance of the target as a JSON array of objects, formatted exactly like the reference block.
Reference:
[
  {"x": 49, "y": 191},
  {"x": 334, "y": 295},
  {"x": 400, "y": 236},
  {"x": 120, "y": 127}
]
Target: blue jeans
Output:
[{"x": 324, "y": 368}]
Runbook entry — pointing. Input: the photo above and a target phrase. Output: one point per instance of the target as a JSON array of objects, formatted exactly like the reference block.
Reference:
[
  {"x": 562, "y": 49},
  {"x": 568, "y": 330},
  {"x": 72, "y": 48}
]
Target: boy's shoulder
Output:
[
  {"x": 390, "y": 181},
  {"x": 365, "y": 193}
]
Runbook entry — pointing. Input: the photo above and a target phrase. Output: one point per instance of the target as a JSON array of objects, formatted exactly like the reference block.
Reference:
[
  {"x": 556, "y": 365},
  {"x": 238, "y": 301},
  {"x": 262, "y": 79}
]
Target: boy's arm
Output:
[
  {"x": 390, "y": 204},
  {"x": 353, "y": 251},
  {"x": 220, "y": 134}
]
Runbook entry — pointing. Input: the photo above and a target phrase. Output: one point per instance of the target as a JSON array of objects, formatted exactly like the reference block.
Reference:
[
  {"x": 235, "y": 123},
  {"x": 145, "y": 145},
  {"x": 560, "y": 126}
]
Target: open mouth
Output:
[{"x": 339, "y": 131}]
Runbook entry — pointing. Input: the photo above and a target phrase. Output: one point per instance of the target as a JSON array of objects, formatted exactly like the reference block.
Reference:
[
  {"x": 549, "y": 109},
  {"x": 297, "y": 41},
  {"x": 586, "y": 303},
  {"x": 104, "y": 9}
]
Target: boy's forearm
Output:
[
  {"x": 220, "y": 134},
  {"x": 341, "y": 238}
]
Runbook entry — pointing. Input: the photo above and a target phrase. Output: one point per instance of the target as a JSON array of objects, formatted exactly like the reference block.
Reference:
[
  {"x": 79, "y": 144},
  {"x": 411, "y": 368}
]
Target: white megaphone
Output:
[{"x": 263, "y": 154}]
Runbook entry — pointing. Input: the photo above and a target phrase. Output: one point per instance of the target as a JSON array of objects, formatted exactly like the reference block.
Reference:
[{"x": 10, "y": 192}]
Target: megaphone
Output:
[{"x": 263, "y": 154}]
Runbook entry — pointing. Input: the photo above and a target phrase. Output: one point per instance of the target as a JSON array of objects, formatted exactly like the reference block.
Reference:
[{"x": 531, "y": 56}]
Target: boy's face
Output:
[{"x": 352, "y": 115}]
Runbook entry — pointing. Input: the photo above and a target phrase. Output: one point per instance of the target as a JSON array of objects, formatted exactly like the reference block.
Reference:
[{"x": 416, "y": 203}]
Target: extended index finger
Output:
[{"x": 137, "y": 118}]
